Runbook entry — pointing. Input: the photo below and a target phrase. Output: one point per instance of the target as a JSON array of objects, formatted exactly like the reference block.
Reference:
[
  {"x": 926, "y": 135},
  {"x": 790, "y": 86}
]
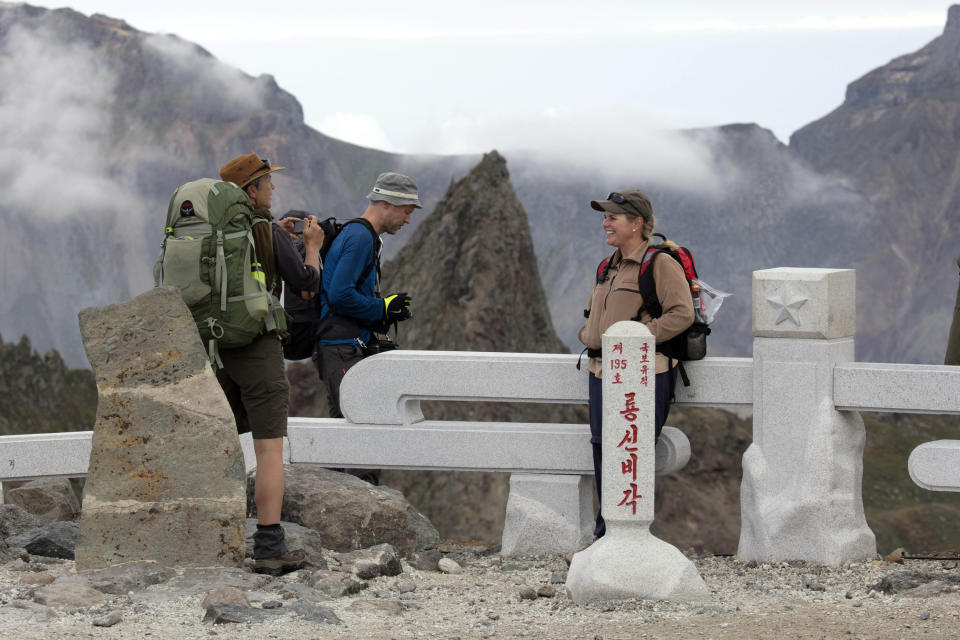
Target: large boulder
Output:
[
  {"x": 350, "y": 514},
  {"x": 50, "y": 499},
  {"x": 166, "y": 476},
  {"x": 53, "y": 540},
  {"x": 15, "y": 520}
]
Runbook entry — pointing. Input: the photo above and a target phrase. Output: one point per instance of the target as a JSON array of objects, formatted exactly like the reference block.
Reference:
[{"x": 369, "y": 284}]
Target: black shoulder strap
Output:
[
  {"x": 366, "y": 272},
  {"x": 603, "y": 269},
  {"x": 376, "y": 253},
  {"x": 648, "y": 288}
]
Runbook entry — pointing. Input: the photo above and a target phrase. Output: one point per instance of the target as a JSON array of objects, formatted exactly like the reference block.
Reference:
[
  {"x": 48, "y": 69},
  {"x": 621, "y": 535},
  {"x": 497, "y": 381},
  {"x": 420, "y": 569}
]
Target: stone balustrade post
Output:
[
  {"x": 801, "y": 489},
  {"x": 629, "y": 562}
]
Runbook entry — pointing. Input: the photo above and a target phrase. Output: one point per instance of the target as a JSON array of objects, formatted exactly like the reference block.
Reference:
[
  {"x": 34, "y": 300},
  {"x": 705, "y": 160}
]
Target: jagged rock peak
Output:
[
  {"x": 932, "y": 71},
  {"x": 493, "y": 164},
  {"x": 472, "y": 271},
  {"x": 953, "y": 19},
  {"x": 750, "y": 131},
  {"x": 112, "y": 23}
]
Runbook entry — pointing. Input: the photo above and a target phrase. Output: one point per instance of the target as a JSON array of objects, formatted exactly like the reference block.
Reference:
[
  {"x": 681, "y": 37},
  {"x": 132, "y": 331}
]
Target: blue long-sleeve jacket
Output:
[{"x": 352, "y": 251}]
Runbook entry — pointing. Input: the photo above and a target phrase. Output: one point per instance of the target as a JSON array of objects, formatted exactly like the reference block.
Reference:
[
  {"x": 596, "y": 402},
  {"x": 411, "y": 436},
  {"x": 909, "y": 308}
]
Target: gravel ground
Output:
[{"x": 487, "y": 600}]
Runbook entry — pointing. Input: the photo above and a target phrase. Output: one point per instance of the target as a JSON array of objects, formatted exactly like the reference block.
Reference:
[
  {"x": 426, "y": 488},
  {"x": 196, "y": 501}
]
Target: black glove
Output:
[{"x": 396, "y": 307}]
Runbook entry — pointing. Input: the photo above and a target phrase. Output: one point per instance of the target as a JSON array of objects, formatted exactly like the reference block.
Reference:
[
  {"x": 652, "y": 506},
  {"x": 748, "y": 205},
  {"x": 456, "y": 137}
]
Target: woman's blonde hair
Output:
[{"x": 648, "y": 224}]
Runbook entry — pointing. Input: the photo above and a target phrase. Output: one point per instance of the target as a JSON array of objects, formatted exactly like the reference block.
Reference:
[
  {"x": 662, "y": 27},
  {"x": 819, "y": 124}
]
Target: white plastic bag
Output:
[{"x": 710, "y": 300}]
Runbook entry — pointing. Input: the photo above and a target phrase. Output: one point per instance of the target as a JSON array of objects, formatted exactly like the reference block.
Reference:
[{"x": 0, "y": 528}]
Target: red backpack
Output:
[{"x": 691, "y": 344}]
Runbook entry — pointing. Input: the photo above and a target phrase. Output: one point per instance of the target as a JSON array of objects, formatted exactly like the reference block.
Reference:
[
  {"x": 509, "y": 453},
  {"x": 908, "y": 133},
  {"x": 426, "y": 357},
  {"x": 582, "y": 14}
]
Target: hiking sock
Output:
[{"x": 269, "y": 541}]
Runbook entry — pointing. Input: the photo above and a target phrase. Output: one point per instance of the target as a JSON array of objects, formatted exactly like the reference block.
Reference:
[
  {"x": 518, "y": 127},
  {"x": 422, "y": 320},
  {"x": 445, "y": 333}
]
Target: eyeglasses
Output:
[{"x": 618, "y": 198}]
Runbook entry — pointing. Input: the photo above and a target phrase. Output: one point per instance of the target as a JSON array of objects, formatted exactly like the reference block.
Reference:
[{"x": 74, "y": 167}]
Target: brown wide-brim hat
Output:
[
  {"x": 632, "y": 202},
  {"x": 244, "y": 169}
]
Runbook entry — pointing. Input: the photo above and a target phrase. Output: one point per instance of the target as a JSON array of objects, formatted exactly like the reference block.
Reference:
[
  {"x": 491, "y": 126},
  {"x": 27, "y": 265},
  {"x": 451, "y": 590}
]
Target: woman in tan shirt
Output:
[{"x": 628, "y": 223}]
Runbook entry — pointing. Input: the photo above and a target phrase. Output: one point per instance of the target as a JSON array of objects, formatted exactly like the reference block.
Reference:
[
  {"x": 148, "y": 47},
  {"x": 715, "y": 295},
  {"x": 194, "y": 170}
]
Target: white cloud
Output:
[
  {"x": 55, "y": 115},
  {"x": 225, "y": 81},
  {"x": 912, "y": 20},
  {"x": 616, "y": 144},
  {"x": 356, "y": 128}
]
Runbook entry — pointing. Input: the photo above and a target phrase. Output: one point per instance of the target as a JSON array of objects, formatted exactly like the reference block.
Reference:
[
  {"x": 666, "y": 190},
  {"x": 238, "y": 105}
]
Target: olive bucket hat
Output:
[{"x": 395, "y": 188}]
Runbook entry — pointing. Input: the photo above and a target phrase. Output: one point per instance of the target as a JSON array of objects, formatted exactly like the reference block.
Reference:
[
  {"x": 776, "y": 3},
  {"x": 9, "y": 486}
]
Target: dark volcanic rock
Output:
[
  {"x": 132, "y": 576},
  {"x": 906, "y": 581},
  {"x": 335, "y": 584},
  {"x": 350, "y": 514},
  {"x": 238, "y": 613},
  {"x": 54, "y": 540},
  {"x": 366, "y": 564},
  {"x": 15, "y": 520}
]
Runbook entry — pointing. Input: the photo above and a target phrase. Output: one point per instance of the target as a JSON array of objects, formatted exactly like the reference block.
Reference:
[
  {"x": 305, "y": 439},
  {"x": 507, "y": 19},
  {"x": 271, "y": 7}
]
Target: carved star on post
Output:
[{"x": 788, "y": 304}]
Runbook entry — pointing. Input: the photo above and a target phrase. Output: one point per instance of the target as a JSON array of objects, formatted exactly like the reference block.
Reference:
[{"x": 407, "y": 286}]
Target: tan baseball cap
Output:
[{"x": 629, "y": 201}]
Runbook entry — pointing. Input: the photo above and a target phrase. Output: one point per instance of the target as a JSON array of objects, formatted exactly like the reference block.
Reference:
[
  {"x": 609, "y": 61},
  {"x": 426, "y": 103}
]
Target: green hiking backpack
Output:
[{"x": 208, "y": 253}]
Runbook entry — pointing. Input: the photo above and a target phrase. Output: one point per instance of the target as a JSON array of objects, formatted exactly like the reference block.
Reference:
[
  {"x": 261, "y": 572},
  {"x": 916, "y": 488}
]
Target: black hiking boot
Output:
[
  {"x": 270, "y": 553},
  {"x": 286, "y": 563}
]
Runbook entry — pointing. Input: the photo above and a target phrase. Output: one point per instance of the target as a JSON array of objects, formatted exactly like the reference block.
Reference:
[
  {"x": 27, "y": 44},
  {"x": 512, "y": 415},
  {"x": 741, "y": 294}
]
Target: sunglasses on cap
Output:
[{"x": 618, "y": 198}]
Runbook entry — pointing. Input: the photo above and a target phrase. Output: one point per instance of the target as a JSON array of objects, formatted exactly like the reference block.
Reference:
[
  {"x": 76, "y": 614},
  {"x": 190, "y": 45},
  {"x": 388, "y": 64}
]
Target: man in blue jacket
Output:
[{"x": 351, "y": 305}]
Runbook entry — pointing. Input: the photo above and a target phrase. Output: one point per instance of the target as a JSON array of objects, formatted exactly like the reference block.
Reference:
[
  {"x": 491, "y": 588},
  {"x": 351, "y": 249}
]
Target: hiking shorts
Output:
[{"x": 256, "y": 387}]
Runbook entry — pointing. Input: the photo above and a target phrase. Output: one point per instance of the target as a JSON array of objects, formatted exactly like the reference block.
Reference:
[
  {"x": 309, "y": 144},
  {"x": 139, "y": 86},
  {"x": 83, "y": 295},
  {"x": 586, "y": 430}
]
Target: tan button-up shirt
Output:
[{"x": 618, "y": 298}]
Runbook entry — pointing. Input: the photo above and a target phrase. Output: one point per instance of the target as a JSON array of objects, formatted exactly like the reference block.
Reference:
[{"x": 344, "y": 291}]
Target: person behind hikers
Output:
[
  {"x": 253, "y": 377},
  {"x": 351, "y": 307},
  {"x": 628, "y": 223}
]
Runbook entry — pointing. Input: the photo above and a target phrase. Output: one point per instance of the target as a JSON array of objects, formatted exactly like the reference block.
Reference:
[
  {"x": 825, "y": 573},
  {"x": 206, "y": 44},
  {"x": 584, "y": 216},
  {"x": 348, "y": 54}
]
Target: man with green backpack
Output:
[
  {"x": 229, "y": 259},
  {"x": 253, "y": 377}
]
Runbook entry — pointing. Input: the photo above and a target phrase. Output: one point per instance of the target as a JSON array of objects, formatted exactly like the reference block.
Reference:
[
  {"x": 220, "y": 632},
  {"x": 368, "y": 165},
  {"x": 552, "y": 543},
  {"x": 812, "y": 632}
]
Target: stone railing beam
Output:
[
  {"x": 45, "y": 455},
  {"x": 936, "y": 465},
  {"x": 726, "y": 383},
  {"x": 899, "y": 388},
  {"x": 404, "y": 378}
]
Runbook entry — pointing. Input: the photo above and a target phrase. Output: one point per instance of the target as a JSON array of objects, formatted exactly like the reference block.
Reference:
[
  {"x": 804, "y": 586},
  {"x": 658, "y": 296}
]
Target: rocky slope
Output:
[
  {"x": 104, "y": 122},
  {"x": 40, "y": 394},
  {"x": 895, "y": 140}
]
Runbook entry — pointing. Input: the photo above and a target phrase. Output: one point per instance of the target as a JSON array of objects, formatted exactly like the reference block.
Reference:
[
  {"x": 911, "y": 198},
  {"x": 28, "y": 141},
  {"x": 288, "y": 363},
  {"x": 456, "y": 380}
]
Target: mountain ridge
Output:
[{"x": 139, "y": 113}]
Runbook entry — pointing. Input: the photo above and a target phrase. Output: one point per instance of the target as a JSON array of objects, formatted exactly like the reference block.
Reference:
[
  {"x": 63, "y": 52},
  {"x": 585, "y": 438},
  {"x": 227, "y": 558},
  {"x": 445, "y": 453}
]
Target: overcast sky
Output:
[{"x": 451, "y": 77}]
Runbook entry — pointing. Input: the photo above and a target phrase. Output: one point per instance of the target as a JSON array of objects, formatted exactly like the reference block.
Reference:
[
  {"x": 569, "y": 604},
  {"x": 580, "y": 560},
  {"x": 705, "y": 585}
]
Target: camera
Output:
[{"x": 298, "y": 227}]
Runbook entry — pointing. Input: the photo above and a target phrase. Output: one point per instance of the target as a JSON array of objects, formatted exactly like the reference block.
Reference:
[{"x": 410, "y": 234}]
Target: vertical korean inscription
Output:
[{"x": 628, "y": 429}]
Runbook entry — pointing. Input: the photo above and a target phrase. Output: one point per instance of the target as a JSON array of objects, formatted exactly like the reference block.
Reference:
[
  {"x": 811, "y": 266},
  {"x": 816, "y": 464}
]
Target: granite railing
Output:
[{"x": 801, "y": 488}]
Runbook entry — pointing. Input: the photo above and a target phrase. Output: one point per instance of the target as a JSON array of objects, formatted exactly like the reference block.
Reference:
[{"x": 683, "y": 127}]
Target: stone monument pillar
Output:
[
  {"x": 629, "y": 562},
  {"x": 166, "y": 480},
  {"x": 800, "y": 496}
]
